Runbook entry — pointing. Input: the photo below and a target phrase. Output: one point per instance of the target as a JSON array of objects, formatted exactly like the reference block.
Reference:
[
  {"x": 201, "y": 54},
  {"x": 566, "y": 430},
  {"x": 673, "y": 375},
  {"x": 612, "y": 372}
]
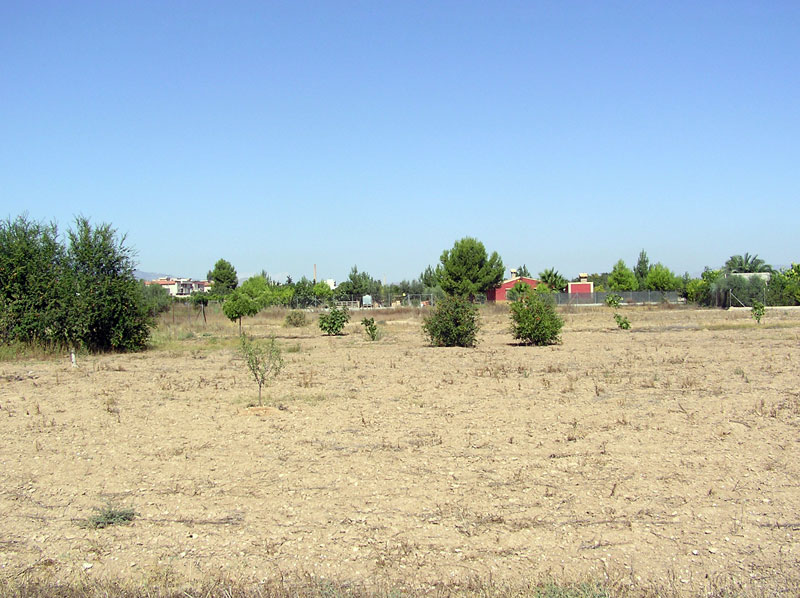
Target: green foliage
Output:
[
  {"x": 784, "y": 287},
  {"x": 33, "y": 301},
  {"x": 622, "y": 278},
  {"x": 746, "y": 263},
  {"x": 516, "y": 292},
  {"x": 523, "y": 271},
  {"x": 359, "y": 284},
  {"x": 642, "y": 269},
  {"x": 758, "y": 311},
  {"x": 453, "y": 322},
  {"x": 108, "y": 516},
  {"x": 430, "y": 277},
  {"x": 371, "y": 329},
  {"x": 264, "y": 362},
  {"x": 699, "y": 290},
  {"x": 622, "y": 321},
  {"x": 108, "y": 311},
  {"x": 295, "y": 319},
  {"x": 239, "y": 304},
  {"x": 613, "y": 300},
  {"x": 735, "y": 288},
  {"x": 156, "y": 298},
  {"x": 83, "y": 294},
  {"x": 332, "y": 323},
  {"x": 534, "y": 320},
  {"x": 553, "y": 280},
  {"x": 467, "y": 271},
  {"x": 661, "y": 278},
  {"x": 223, "y": 278}
]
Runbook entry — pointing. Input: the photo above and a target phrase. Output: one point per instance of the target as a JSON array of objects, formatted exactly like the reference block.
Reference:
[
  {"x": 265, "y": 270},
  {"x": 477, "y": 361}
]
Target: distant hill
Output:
[{"x": 147, "y": 275}]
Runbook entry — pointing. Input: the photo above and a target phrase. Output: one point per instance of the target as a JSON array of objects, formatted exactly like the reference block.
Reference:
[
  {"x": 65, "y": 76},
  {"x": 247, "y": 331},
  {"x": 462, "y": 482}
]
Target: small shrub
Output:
[
  {"x": 332, "y": 323},
  {"x": 613, "y": 300},
  {"x": 264, "y": 363},
  {"x": 622, "y": 321},
  {"x": 108, "y": 516},
  {"x": 758, "y": 311},
  {"x": 295, "y": 319},
  {"x": 452, "y": 323},
  {"x": 372, "y": 330},
  {"x": 534, "y": 320}
]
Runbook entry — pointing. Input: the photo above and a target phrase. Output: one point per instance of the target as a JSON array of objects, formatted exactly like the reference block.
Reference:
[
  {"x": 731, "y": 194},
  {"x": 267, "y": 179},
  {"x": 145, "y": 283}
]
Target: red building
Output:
[
  {"x": 584, "y": 287},
  {"x": 499, "y": 294}
]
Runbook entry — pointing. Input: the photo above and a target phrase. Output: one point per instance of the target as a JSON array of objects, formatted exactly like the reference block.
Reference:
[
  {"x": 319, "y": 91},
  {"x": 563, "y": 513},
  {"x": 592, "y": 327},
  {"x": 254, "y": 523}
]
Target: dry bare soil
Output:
[{"x": 661, "y": 457}]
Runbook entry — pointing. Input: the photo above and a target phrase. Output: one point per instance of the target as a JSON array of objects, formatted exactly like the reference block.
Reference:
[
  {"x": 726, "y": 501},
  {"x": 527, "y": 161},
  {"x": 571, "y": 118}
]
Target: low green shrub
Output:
[
  {"x": 332, "y": 323},
  {"x": 454, "y": 322},
  {"x": 622, "y": 321},
  {"x": 534, "y": 320},
  {"x": 109, "y": 516},
  {"x": 372, "y": 330}
]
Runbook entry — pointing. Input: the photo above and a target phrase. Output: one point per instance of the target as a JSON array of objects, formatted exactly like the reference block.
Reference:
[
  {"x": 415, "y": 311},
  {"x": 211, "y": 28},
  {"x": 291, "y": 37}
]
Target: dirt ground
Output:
[{"x": 665, "y": 455}]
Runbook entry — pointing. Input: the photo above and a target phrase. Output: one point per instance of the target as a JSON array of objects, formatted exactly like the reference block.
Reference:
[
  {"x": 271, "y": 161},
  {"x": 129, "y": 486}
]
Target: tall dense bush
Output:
[
  {"x": 534, "y": 320},
  {"x": 82, "y": 294},
  {"x": 452, "y": 323},
  {"x": 32, "y": 272}
]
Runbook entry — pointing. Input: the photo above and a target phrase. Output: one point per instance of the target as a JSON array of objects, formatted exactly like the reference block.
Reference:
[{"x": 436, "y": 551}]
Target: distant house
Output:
[
  {"x": 499, "y": 294},
  {"x": 583, "y": 287},
  {"x": 181, "y": 287}
]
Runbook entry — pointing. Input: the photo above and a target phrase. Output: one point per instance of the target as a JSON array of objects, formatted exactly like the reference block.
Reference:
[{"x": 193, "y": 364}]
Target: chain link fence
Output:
[{"x": 628, "y": 297}]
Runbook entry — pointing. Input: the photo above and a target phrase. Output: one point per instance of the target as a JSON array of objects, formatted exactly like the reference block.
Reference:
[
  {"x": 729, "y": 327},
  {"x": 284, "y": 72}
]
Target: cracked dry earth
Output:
[{"x": 668, "y": 452}]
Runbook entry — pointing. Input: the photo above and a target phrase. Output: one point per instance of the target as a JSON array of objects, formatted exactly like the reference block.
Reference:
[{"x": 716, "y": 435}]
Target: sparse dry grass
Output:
[{"x": 644, "y": 461}]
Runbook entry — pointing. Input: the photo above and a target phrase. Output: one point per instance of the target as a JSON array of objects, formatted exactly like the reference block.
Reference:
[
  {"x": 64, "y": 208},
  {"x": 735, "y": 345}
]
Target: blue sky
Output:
[{"x": 280, "y": 135}]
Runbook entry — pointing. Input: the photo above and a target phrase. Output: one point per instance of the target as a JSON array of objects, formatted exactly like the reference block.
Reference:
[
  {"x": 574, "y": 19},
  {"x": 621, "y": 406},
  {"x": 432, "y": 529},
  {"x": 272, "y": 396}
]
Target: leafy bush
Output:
[
  {"x": 517, "y": 291},
  {"x": 295, "y": 319},
  {"x": 332, "y": 323},
  {"x": 758, "y": 311},
  {"x": 622, "y": 321},
  {"x": 452, "y": 323},
  {"x": 373, "y": 333},
  {"x": 156, "y": 298},
  {"x": 264, "y": 363},
  {"x": 534, "y": 320},
  {"x": 108, "y": 516},
  {"x": 613, "y": 300}
]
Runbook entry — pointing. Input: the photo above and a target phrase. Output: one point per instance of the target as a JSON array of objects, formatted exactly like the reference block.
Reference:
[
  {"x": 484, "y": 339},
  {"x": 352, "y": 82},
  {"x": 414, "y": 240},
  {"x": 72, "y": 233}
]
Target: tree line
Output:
[{"x": 79, "y": 289}]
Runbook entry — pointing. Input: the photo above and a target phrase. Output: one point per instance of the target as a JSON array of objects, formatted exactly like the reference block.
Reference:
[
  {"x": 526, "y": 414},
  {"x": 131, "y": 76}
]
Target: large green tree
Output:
[
  {"x": 622, "y": 278},
  {"x": 467, "y": 270},
  {"x": 553, "y": 279},
  {"x": 661, "y": 278},
  {"x": 642, "y": 269},
  {"x": 746, "y": 263},
  {"x": 223, "y": 278}
]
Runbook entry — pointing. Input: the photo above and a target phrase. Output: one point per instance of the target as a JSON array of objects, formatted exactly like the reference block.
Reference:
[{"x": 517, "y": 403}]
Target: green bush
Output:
[
  {"x": 295, "y": 319},
  {"x": 83, "y": 294},
  {"x": 622, "y": 321},
  {"x": 332, "y": 323},
  {"x": 613, "y": 300},
  {"x": 372, "y": 330},
  {"x": 534, "y": 320},
  {"x": 453, "y": 322},
  {"x": 758, "y": 311}
]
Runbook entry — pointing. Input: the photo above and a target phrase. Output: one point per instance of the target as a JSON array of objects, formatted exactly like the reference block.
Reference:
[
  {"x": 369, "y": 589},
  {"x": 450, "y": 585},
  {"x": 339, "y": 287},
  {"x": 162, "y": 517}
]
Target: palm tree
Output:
[
  {"x": 746, "y": 263},
  {"x": 553, "y": 280}
]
